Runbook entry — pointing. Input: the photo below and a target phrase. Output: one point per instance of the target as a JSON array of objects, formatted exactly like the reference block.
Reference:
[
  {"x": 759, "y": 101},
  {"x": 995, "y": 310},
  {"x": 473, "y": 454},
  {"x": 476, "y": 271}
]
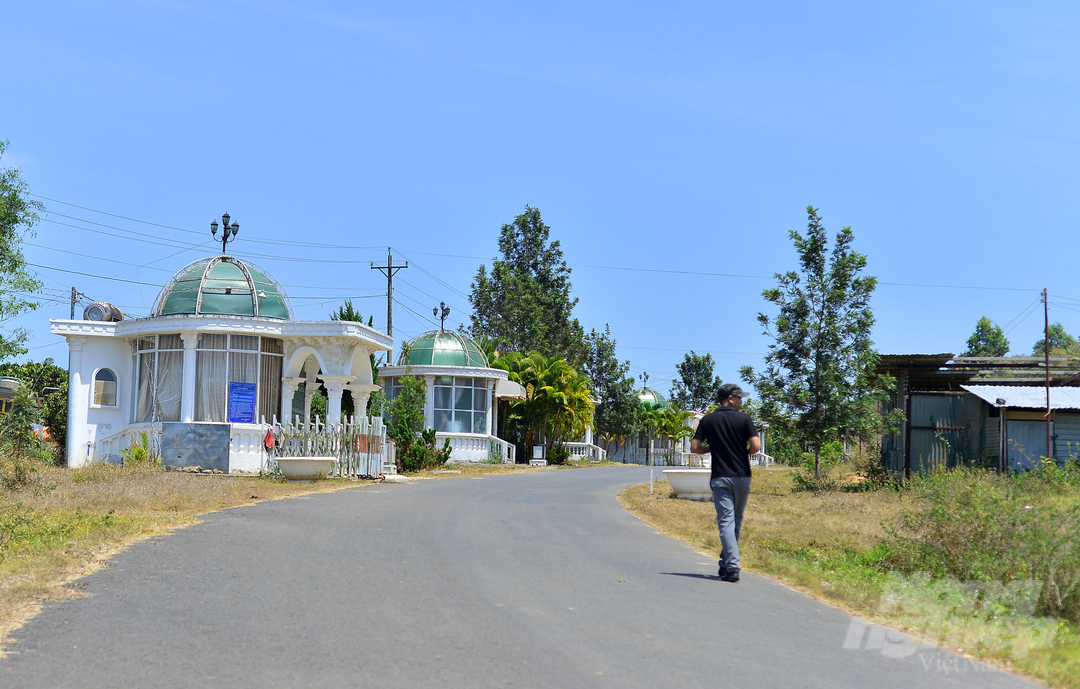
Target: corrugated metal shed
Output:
[{"x": 1026, "y": 397}]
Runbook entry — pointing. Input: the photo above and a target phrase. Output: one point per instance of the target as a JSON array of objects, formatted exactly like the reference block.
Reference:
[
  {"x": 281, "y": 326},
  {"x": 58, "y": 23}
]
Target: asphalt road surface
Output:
[{"x": 527, "y": 580}]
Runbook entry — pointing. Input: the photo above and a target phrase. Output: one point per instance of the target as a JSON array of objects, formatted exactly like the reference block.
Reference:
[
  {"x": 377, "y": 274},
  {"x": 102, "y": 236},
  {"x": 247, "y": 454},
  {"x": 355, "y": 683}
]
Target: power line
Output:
[{"x": 91, "y": 275}]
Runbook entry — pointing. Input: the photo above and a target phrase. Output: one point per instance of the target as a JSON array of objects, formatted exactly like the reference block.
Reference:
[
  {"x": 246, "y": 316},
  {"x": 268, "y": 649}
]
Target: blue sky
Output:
[{"x": 680, "y": 136}]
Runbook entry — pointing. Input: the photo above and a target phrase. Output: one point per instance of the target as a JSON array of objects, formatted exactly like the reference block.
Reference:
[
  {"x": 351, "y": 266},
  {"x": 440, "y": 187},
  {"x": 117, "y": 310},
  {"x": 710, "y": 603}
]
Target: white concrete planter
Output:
[
  {"x": 690, "y": 484},
  {"x": 305, "y": 469}
]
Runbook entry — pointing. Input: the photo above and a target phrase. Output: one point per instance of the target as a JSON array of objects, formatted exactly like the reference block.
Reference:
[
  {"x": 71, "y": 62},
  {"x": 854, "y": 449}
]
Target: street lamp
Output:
[
  {"x": 228, "y": 232},
  {"x": 445, "y": 312}
]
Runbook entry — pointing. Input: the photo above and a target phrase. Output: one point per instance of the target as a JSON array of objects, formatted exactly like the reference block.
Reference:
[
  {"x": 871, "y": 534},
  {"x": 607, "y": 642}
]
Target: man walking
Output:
[{"x": 730, "y": 436}]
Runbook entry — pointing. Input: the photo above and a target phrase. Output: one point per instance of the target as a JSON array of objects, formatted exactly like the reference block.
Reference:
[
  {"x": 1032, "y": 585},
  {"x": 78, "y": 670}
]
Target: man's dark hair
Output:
[{"x": 727, "y": 390}]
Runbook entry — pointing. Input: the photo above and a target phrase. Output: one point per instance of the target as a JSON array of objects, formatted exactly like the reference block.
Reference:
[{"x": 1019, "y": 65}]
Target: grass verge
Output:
[
  {"x": 834, "y": 546},
  {"x": 71, "y": 521}
]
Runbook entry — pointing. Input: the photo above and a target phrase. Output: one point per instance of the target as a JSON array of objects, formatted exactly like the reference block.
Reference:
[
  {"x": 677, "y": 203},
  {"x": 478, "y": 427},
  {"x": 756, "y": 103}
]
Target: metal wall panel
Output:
[
  {"x": 1027, "y": 443},
  {"x": 947, "y": 430},
  {"x": 1066, "y": 436}
]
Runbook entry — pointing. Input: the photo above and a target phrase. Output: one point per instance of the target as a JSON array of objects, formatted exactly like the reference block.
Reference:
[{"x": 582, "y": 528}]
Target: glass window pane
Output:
[
  {"x": 147, "y": 343},
  {"x": 170, "y": 374},
  {"x": 479, "y": 423},
  {"x": 270, "y": 387},
  {"x": 243, "y": 368},
  {"x": 144, "y": 394},
  {"x": 463, "y": 382},
  {"x": 210, "y": 386},
  {"x": 248, "y": 342},
  {"x": 170, "y": 342},
  {"x": 212, "y": 341},
  {"x": 443, "y": 397},
  {"x": 462, "y": 422},
  {"x": 480, "y": 400},
  {"x": 444, "y": 380},
  {"x": 272, "y": 346},
  {"x": 463, "y": 398},
  {"x": 105, "y": 388},
  {"x": 443, "y": 420}
]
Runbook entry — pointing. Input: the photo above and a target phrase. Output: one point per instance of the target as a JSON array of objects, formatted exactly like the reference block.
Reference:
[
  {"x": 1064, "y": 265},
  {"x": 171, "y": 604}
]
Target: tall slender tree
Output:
[
  {"x": 525, "y": 299},
  {"x": 618, "y": 409},
  {"x": 819, "y": 375}
]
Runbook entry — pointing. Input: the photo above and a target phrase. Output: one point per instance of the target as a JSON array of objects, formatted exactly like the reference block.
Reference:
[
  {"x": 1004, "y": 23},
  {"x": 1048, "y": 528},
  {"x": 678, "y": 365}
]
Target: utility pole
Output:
[
  {"x": 1046, "y": 348},
  {"x": 75, "y": 296},
  {"x": 388, "y": 270}
]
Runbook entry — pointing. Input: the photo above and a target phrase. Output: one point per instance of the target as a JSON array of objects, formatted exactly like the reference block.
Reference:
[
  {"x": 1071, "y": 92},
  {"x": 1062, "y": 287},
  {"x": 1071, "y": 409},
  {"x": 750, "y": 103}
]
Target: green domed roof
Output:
[
  {"x": 443, "y": 348},
  {"x": 223, "y": 286},
  {"x": 652, "y": 396}
]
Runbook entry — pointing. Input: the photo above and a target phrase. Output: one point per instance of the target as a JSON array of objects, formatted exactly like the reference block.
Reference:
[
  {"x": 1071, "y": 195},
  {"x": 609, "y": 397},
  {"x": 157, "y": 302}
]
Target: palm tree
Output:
[{"x": 557, "y": 404}]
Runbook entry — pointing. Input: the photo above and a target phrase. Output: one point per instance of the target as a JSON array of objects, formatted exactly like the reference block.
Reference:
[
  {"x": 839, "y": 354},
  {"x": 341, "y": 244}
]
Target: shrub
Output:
[
  {"x": 140, "y": 453},
  {"x": 979, "y": 525}
]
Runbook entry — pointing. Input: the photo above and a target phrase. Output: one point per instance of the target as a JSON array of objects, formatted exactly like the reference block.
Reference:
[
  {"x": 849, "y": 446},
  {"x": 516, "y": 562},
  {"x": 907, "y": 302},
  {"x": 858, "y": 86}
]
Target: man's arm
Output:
[
  {"x": 753, "y": 445},
  {"x": 697, "y": 447}
]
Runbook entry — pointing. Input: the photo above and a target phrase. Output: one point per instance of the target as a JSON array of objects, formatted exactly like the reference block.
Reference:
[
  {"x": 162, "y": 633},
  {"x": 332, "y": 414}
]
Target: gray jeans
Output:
[{"x": 729, "y": 496}]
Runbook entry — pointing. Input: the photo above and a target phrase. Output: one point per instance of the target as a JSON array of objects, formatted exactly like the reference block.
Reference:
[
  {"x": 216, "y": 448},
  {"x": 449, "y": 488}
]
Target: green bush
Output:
[
  {"x": 417, "y": 449},
  {"x": 140, "y": 453},
  {"x": 979, "y": 525}
]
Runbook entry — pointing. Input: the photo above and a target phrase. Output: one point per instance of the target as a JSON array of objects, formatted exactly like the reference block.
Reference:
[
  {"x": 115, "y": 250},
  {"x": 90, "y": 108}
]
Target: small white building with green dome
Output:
[
  {"x": 461, "y": 393},
  {"x": 221, "y": 346}
]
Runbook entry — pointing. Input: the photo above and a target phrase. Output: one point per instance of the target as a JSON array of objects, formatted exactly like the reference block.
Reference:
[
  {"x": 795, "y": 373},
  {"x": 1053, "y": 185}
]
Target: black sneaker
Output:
[
  {"x": 731, "y": 576},
  {"x": 722, "y": 571}
]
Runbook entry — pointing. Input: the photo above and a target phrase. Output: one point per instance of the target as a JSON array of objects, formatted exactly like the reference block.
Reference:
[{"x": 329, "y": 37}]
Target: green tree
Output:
[
  {"x": 38, "y": 376},
  {"x": 417, "y": 448},
  {"x": 819, "y": 373},
  {"x": 18, "y": 215},
  {"x": 557, "y": 405},
  {"x": 618, "y": 410},
  {"x": 1059, "y": 339},
  {"x": 525, "y": 299},
  {"x": 987, "y": 340},
  {"x": 696, "y": 387}
]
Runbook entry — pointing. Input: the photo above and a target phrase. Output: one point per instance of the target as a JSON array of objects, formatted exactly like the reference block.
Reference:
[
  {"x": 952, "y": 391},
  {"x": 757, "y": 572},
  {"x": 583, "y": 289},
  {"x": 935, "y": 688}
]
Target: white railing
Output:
[
  {"x": 588, "y": 451},
  {"x": 469, "y": 447},
  {"x": 761, "y": 459},
  {"x": 356, "y": 444}
]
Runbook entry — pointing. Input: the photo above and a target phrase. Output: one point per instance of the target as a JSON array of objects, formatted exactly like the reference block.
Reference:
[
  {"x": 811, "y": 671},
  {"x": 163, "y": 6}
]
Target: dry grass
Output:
[
  {"x": 69, "y": 529},
  {"x": 826, "y": 544}
]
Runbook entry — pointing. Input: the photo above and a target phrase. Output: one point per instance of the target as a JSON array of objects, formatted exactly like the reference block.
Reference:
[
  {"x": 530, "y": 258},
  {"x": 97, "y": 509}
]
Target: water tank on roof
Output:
[{"x": 102, "y": 311}]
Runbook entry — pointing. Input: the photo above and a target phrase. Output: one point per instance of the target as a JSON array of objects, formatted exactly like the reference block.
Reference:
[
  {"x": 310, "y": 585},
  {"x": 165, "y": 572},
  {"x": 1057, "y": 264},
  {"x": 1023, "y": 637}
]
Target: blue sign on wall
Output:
[{"x": 241, "y": 402}]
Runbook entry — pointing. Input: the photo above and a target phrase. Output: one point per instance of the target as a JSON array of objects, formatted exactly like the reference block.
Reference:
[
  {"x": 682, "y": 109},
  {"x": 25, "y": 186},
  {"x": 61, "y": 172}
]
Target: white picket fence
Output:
[{"x": 359, "y": 445}]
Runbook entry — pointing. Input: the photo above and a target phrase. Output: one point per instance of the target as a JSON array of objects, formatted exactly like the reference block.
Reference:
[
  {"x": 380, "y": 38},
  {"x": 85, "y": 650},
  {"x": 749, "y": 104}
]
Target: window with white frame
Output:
[
  {"x": 221, "y": 359},
  {"x": 158, "y": 379},
  {"x": 460, "y": 405},
  {"x": 104, "y": 388}
]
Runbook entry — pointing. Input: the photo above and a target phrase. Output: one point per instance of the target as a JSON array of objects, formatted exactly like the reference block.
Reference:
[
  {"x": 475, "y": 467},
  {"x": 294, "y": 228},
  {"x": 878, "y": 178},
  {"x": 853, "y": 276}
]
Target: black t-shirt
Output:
[{"x": 726, "y": 432}]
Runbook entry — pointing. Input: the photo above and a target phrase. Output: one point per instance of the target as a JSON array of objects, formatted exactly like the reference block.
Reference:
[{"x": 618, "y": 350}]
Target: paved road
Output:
[{"x": 529, "y": 580}]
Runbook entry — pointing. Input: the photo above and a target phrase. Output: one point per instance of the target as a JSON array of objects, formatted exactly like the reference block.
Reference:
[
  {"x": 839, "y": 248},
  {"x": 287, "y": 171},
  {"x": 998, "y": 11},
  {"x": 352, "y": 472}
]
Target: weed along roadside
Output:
[
  {"x": 64, "y": 524},
  {"x": 983, "y": 564}
]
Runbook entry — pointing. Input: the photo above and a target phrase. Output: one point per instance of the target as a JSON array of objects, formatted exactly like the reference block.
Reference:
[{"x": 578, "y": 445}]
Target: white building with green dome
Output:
[
  {"x": 221, "y": 346},
  {"x": 461, "y": 393}
]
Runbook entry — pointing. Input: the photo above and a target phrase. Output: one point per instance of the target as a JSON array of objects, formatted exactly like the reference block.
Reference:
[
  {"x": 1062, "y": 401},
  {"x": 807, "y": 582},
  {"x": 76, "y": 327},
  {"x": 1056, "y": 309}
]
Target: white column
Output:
[
  {"x": 187, "y": 398},
  {"x": 311, "y": 386},
  {"x": 429, "y": 402},
  {"x": 288, "y": 391},
  {"x": 361, "y": 393},
  {"x": 491, "y": 407},
  {"x": 78, "y": 405},
  {"x": 335, "y": 386}
]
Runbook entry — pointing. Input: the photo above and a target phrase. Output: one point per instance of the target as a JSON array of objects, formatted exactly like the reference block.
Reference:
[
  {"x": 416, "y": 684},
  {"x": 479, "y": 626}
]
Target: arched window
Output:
[{"x": 105, "y": 388}]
